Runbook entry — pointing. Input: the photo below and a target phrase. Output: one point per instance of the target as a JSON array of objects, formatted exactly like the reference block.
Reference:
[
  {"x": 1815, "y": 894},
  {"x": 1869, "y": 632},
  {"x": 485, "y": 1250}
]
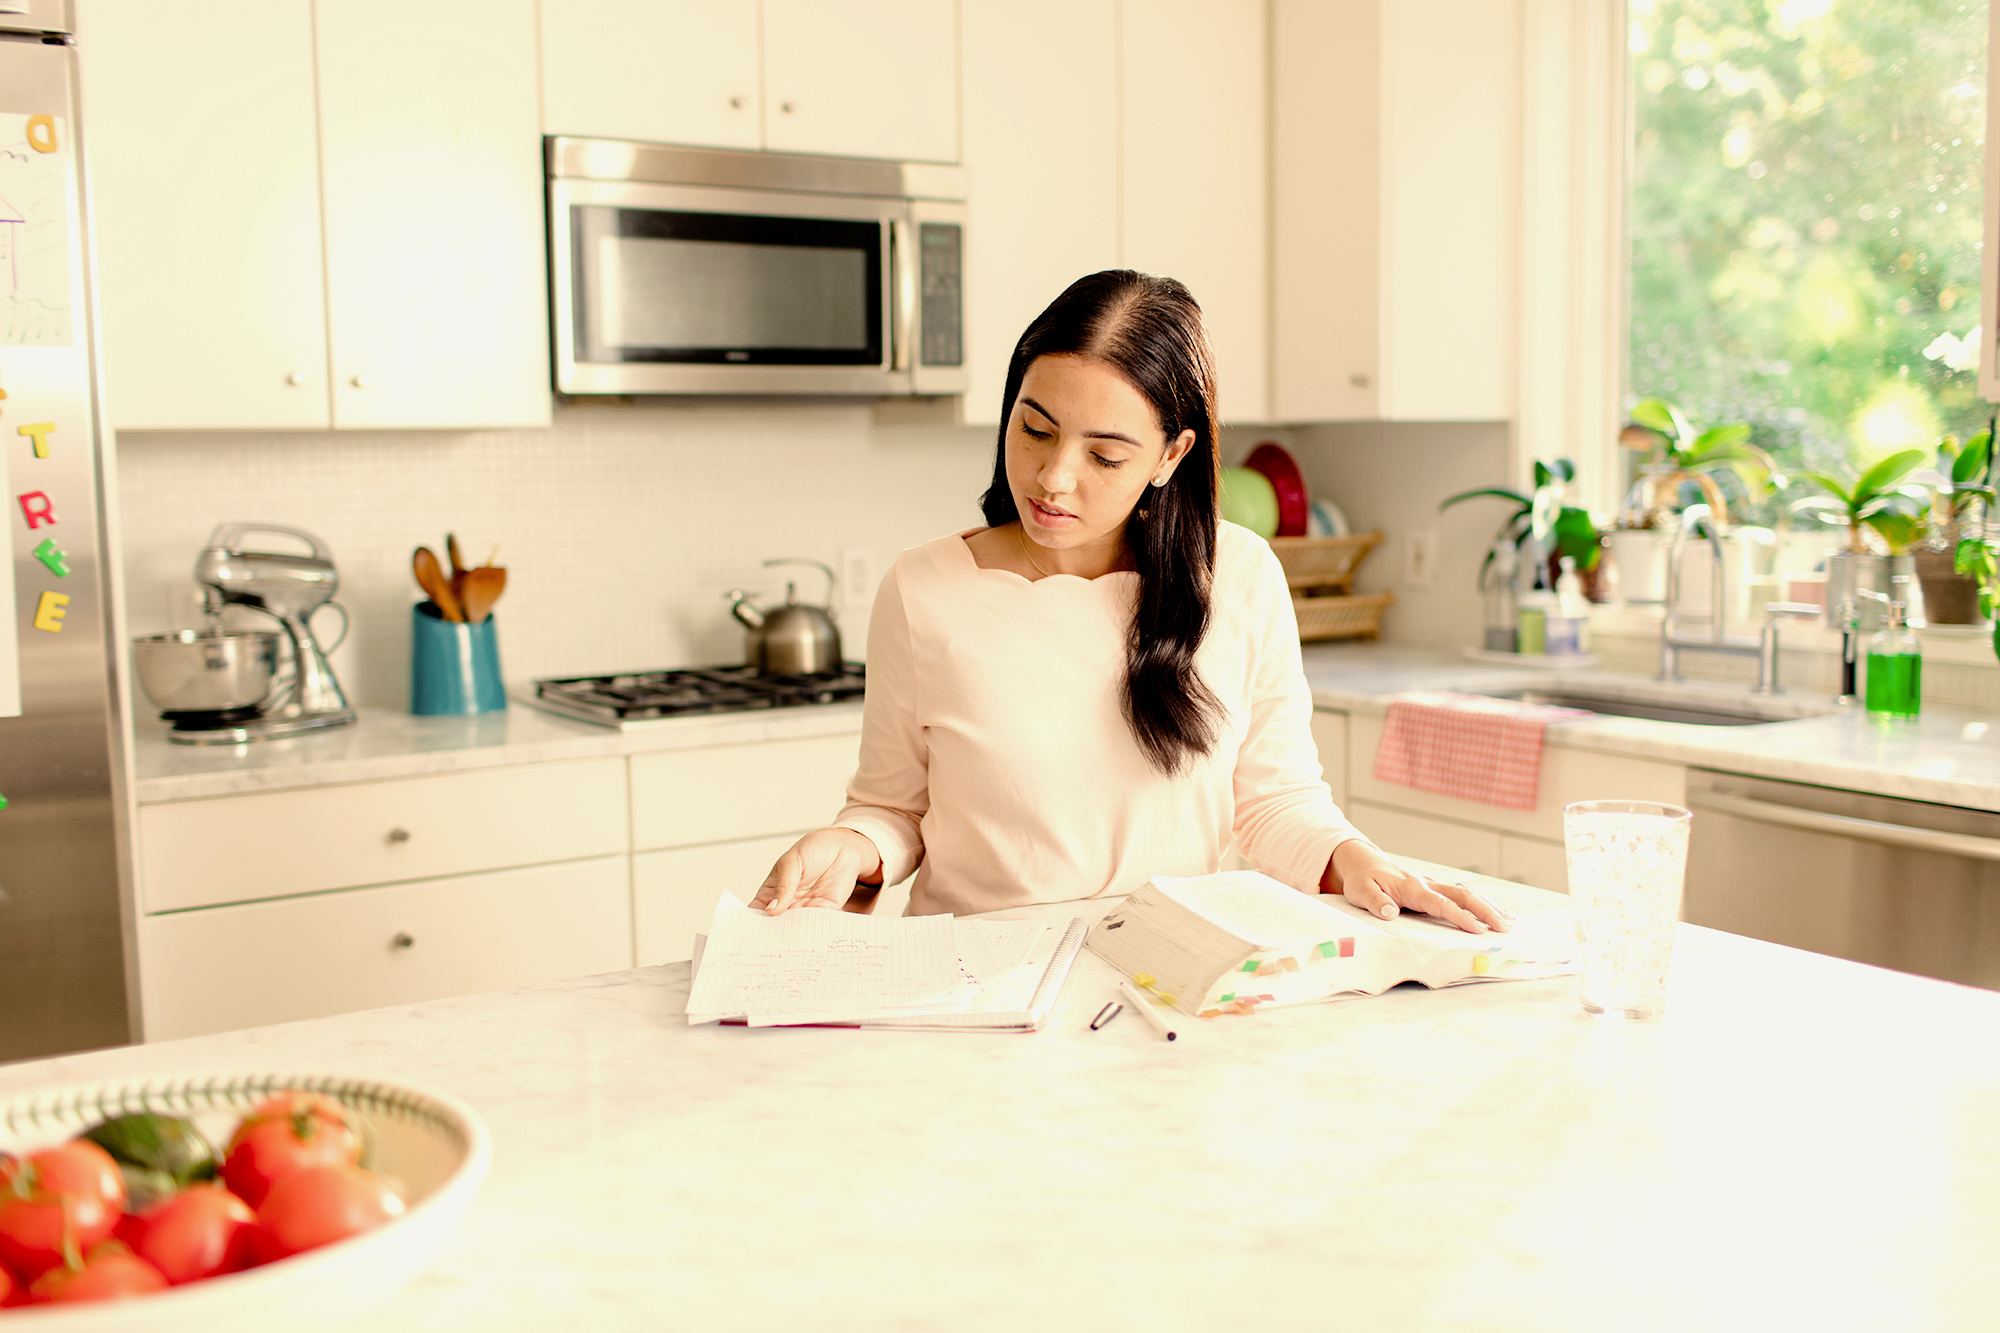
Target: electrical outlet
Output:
[
  {"x": 857, "y": 576},
  {"x": 1420, "y": 554}
]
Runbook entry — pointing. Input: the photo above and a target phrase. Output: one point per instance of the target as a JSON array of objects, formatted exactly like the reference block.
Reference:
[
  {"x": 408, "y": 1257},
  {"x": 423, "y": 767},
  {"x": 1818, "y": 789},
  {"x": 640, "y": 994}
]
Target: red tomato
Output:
[
  {"x": 111, "y": 1273},
  {"x": 317, "y": 1205},
  {"x": 56, "y": 1206},
  {"x": 287, "y": 1132},
  {"x": 130, "y": 1230},
  {"x": 197, "y": 1233},
  {"x": 11, "y": 1292}
]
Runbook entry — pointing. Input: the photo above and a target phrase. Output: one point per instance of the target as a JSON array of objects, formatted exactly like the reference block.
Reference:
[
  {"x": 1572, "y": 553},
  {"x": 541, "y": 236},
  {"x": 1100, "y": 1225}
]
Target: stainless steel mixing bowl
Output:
[{"x": 193, "y": 671}]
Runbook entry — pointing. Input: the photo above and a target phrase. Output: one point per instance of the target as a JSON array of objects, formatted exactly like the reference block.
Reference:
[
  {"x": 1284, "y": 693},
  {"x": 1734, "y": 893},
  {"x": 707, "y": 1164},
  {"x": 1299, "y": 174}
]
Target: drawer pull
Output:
[
  {"x": 399, "y": 835},
  {"x": 402, "y": 940}
]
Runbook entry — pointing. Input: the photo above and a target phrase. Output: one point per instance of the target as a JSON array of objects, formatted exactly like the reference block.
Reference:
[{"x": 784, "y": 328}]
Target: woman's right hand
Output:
[{"x": 819, "y": 870}]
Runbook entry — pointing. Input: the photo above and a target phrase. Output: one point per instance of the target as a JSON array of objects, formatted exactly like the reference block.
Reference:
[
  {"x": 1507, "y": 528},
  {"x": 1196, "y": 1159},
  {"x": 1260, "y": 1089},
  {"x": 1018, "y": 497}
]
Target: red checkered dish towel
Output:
[{"x": 1466, "y": 745}]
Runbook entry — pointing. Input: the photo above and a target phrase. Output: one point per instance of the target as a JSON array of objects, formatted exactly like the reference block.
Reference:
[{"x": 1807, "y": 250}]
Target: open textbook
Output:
[
  {"x": 1231, "y": 942},
  {"x": 823, "y": 967}
]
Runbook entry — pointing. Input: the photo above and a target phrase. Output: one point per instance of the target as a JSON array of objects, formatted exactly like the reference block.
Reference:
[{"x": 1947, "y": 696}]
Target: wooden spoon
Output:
[
  {"x": 483, "y": 587},
  {"x": 431, "y": 578},
  {"x": 457, "y": 567}
]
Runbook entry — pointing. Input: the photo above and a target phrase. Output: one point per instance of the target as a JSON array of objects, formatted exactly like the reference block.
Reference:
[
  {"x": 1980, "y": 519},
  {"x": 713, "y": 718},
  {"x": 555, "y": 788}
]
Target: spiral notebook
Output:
[{"x": 813, "y": 967}]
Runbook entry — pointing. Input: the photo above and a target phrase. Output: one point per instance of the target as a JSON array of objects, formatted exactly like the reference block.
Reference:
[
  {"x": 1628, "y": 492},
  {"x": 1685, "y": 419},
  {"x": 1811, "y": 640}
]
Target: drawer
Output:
[
  {"x": 256, "y": 963},
  {"x": 1531, "y": 861},
  {"x": 1566, "y": 775},
  {"x": 673, "y": 892},
  {"x": 732, "y": 792},
  {"x": 1401, "y": 833},
  {"x": 236, "y": 849}
]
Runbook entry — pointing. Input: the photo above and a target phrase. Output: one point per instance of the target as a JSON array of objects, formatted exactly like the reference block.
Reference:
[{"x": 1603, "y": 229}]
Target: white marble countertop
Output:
[
  {"x": 1800, "y": 1143},
  {"x": 1948, "y": 755},
  {"x": 390, "y": 743}
]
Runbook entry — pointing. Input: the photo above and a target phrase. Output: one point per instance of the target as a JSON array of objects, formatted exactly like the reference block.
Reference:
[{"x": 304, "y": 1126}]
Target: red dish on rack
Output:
[{"x": 1294, "y": 507}]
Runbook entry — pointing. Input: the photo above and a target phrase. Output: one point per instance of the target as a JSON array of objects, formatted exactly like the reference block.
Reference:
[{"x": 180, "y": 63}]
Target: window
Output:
[{"x": 1805, "y": 219}]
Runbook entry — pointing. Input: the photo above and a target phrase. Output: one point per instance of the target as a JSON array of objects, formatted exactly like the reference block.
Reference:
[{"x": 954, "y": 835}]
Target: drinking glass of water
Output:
[{"x": 1627, "y": 863}]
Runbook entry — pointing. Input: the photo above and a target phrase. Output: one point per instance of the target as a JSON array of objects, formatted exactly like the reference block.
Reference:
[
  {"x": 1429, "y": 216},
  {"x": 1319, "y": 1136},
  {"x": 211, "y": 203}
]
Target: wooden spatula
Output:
[
  {"x": 483, "y": 587},
  {"x": 431, "y": 578}
]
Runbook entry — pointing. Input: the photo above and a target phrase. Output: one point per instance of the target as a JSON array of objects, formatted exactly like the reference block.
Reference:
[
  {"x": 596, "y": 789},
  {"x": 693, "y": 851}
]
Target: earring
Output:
[{"x": 1159, "y": 481}]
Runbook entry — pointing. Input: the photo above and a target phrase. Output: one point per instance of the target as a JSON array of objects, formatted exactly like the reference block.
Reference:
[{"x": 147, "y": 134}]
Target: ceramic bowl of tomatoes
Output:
[{"x": 201, "y": 1202}]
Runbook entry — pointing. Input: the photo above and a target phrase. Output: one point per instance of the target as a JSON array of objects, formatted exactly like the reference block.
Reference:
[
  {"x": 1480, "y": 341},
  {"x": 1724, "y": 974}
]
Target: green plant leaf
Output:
[
  {"x": 1969, "y": 464},
  {"x": 1542, "y": 474},
  {"x": 1654, "y": 414},
  {"x": 1577, "y": 537},
  {"x": 1898, "y": 528},
  {"x": 1716, "y": 437},
  {"x": 1887, "y": 473},
  {"x": 1497, "y": 492},
  {"x": 1831, "y": 486}
]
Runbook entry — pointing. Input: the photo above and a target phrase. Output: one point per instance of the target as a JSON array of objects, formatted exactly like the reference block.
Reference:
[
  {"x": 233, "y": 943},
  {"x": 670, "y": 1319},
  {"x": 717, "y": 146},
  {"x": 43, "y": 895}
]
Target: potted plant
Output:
[
  {"x": 1677, "y": 455},
  {"x": 1560, "y": 526},
  {"x": 1951, "y": 593},
  {"x": 1872, "y": 503}
]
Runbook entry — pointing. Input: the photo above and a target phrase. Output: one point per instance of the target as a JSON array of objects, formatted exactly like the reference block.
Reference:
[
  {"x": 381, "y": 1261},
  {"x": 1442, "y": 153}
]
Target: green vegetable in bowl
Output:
[{"x": 159, "y": 1154}]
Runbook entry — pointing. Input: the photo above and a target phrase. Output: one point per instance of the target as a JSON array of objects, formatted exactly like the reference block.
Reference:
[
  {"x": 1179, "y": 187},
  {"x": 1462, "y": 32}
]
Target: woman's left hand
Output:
[{"x": 1376, "y": 884}]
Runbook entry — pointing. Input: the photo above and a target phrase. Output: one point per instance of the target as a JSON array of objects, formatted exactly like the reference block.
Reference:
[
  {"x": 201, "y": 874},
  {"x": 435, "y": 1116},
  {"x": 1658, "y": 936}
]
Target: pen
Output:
[
  {"x": 1148, "y": 1011},
  {"x": 1111, "y": 1010}
]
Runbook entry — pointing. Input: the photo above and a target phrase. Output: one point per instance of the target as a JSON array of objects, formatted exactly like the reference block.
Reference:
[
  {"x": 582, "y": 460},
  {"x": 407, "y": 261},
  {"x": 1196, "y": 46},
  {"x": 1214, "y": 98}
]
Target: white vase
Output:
[{"x": 1640, "y": 557}]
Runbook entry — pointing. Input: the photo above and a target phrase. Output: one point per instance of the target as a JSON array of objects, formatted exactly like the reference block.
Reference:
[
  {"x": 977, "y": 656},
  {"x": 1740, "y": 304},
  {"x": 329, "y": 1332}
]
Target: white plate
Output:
[
  {"x": 1325, "y": 519},
  {"x": 432, "y": 1145}
]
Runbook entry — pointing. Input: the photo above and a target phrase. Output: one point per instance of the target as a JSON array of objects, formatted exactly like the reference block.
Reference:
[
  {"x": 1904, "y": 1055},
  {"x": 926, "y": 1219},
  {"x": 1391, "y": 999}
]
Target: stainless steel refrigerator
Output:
[{"x": 67, "y": 967}]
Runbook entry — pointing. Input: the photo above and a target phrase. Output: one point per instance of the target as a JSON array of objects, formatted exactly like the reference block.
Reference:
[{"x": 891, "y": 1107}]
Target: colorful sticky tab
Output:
[
  {"x": 3, "y": 802},
  {"x": 1250, "y": 965},
  {"x": 1289, "y": 963},
  {"x": 1143, "y": 979},
  {"x": 39, "y": 433},
  {"x": 1347, "y": 947},
  {"x": 1481, "y": 965},
  {"x": 1328, "y": 949},
  {"x": 54, "y": 557},
  {"x": 49, "y": 611}
]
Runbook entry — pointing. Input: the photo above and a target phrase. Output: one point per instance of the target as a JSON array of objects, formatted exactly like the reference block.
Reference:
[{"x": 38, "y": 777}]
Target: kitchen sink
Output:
[{"x": 1661, "y": 702}]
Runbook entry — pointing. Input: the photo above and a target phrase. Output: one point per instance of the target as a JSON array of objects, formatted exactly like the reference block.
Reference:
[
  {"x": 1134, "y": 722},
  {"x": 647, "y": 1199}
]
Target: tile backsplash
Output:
[{"x": 620, "y": 527}]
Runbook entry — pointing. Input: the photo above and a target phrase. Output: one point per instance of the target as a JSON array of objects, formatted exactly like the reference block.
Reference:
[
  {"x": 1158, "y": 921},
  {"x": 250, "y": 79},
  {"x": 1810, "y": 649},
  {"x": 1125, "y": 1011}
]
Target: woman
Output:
[{"x": 1102, "y": 684}]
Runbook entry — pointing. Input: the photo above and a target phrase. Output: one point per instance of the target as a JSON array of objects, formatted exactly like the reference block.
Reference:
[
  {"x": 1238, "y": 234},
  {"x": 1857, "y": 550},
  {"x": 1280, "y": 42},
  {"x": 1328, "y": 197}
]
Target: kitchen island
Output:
[{"x": 1800, "y": 1142}]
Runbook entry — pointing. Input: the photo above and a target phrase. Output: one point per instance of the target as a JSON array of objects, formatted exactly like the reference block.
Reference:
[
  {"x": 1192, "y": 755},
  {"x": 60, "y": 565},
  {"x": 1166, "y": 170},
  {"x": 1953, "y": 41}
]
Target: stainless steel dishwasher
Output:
[{"x": 1878, "y": 879}]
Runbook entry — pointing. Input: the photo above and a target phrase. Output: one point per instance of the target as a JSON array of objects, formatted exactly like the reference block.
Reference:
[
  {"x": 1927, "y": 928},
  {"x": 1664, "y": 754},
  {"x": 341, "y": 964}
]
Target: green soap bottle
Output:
[{"x": 1895, "y": 666}]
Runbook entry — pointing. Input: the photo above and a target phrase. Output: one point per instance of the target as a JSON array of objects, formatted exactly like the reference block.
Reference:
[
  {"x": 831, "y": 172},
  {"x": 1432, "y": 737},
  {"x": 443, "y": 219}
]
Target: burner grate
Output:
[{"x": 647, "y": 695}]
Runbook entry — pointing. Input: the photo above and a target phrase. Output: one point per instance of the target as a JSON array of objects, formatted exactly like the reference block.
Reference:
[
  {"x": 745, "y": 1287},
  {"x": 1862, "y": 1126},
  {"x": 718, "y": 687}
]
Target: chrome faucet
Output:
[{"x": 1673, "y": 642}]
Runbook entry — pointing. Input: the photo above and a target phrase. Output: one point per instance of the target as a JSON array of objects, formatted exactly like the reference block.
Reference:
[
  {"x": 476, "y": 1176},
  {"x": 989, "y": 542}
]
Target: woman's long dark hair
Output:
[{"x": 1149, "y": 330}]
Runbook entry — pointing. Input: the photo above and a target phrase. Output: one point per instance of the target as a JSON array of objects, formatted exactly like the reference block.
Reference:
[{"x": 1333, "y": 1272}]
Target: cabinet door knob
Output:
[
  {"x": 402, "y": 939},
  {"x": 788, "y": 106},
  {"x": 399, "y": 835},
  {"x": 361, "y": 381},
  {"x": 735, "y": 104},
  {"x": 296, "y": 378},
  {"x": 1359, "y": 379}
]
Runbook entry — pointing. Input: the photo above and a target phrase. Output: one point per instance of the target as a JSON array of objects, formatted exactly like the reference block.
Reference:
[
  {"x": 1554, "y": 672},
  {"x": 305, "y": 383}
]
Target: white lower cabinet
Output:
[
  {"x": 673, "y": 892},
  {"x": 1401, "y": 833},
  {"x": 1532, "y": 861},
  {"x": 273, "y": 962}
]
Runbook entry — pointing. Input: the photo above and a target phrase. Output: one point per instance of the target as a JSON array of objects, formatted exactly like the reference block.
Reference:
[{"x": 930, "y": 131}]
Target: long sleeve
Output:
[
  {"x": 1286, "y": 822},
  {"x": 890, "y": 793}
]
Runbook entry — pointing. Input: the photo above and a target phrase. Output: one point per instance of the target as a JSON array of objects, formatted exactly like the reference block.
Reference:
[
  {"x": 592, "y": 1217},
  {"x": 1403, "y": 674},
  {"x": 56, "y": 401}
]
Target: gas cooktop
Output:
[{"x": 655, "y": 696}]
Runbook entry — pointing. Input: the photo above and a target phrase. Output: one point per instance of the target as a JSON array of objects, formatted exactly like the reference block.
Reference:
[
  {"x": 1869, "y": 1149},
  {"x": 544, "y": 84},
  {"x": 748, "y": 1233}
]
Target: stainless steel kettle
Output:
[{"x": 794, "y": 639}]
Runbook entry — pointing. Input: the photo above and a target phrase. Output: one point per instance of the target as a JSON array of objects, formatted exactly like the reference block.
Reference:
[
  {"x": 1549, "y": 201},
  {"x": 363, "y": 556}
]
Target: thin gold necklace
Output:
[{"x": 1027, "y": 552}]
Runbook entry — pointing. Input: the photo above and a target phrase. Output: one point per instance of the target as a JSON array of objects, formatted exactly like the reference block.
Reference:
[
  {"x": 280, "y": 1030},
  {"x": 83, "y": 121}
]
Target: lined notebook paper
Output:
[{"x": 817, "y": 966}]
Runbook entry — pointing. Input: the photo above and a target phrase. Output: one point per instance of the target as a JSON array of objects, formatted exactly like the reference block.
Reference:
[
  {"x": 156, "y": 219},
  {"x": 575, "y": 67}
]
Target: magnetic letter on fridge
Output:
[
  {"x": 39, "y": 433},
  {"x": 38, "y": 509},
  {"x": 49, "y": 611}
]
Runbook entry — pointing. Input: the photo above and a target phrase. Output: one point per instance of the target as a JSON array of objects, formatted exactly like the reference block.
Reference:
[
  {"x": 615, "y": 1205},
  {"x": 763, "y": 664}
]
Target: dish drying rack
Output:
[{"x": 1320, "y": 572}]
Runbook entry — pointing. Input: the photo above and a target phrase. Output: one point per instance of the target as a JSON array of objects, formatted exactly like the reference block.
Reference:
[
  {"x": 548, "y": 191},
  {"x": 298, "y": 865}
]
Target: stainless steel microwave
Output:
[{"x": 709, "y": 271}]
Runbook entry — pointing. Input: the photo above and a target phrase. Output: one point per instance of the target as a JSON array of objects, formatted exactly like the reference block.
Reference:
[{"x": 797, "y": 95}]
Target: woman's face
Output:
[{"x": 1083, "y": 448}]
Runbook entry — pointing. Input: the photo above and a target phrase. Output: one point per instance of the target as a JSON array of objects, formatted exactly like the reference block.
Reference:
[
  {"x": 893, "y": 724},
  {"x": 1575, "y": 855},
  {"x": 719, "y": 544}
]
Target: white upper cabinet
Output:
[
  {"x": 1396, "y": 161},
  {"x": 1195, "y": 181},
  {"x": 201, "y": 139},
  {"x": 865, "y": 78},
  {"x": 1043, "y": 209},
  {"x": 658, "y": 71},
  {"x": 435, "y": 257},
  {"x": 302, "y": 225}
]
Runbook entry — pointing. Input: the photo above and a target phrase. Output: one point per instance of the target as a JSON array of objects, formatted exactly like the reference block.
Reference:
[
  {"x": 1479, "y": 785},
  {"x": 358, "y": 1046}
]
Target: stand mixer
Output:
[{"x": 289, "y": 588}]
